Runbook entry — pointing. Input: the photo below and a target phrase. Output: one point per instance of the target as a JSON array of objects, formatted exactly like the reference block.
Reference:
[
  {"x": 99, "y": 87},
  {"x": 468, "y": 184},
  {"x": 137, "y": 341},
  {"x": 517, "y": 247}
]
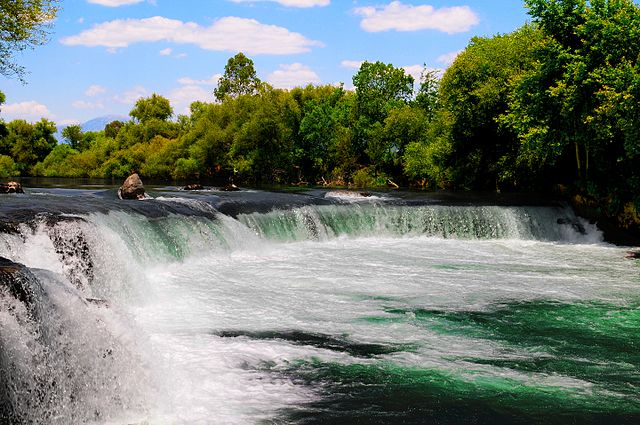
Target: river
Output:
[{"x": 259, "y": 307}]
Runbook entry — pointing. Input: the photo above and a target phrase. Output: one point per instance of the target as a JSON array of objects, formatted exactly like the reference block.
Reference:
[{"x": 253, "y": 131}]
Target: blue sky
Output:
[{"x": 105, "y": 54}]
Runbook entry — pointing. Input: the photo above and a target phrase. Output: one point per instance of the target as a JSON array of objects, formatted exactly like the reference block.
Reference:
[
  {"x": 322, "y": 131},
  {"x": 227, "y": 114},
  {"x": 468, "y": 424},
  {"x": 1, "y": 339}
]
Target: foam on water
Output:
[{"x": 330, "y": 314}]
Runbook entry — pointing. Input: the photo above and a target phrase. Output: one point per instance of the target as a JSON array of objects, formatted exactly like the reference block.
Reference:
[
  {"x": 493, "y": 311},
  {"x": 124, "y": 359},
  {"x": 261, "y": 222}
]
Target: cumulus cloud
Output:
[
  {"x": 448, "y": 58},
  {"x": 94, "y": 90},
  {"x": 414, "y": 70},
  {"x": 28, "y": 110},
  {"x": 401, "y": 17},
  {"x": 114, "y": 3},
  {"x": 351, "y": 64},
  {"x": 211, "y": 81},
  {"x": 294, "y": 75},
  {"x": 130, "y": 97},
  {"x": 166, "y": 52},
  {"x": 225, "y": 34},
  {"x": 291, "y": 3},
  {"x": 82, "y": 104},
  {"x": 182, "y": 97}
]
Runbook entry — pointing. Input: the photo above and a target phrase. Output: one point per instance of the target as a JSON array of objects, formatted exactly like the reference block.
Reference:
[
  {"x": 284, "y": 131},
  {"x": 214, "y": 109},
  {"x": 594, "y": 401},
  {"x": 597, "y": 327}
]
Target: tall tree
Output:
[
  {"x": 239, "y": 78},
  {"x": 474, "y": 92},
  {"x": 150, "y": 108},
  {"x": 73, "y": 135},
  {"x": 380, "y": 87},
  {"x": 24, "y": 24},
  {"x": 581, "y": 99}
]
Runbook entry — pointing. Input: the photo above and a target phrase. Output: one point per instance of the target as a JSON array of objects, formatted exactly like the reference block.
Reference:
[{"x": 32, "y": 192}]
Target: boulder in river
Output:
[
  {"x": 132, "y": 188},
  {"x": 15, "y": 278},
  {"x": 230, "y": 188},
  {"x": 633, "y": 255},
  {"x": 11, "y": 187},
  {"x": 193, "y": 186}
]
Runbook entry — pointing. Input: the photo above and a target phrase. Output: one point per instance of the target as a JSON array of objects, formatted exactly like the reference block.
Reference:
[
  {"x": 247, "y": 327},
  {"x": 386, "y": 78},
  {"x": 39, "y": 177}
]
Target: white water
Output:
[{"x": 174, "y": 284}]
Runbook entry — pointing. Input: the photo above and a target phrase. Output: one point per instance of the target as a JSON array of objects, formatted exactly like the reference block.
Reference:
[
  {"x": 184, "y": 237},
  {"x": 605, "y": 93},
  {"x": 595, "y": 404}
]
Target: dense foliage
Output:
[
  {"x": 23, "y": 24},
  {"x": 555, "y": 102}
]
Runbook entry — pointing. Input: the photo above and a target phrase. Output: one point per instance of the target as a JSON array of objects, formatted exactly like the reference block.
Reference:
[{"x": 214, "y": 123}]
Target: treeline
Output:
[{"x": 555, "y": 102}]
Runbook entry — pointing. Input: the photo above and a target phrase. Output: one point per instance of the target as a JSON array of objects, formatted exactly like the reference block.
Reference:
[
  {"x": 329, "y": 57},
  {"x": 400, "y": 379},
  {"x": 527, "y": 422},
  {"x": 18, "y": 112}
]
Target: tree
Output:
[
  {"x": 239, "y": 78},
  {"x": 474, "y": 92},
  {"x": 23, "y": 24},
  {"x": 113, "y": 128},
  {"x": 581, "y": 99},
  {"x": 155, "y": 107},
  {"x": 30, "y": 143},
  {"x": 73, "y": 135},
  {"x": 427, "y": 96},
  {"x": 380, "y": 87}
]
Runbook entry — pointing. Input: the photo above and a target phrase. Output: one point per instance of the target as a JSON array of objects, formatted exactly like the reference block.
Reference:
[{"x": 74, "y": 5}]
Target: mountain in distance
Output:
[{"x": 96, "y": 124}]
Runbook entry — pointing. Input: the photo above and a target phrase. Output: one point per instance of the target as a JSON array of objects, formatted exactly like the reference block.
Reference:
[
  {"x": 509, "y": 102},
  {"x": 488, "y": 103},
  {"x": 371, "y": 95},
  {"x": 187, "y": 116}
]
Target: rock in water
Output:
[
  {"x": 11, "y": 187},
  {"x": 193, "y": 186},
  {"x": 15, "y": 278},
  {"x": 132, "y": 188}
]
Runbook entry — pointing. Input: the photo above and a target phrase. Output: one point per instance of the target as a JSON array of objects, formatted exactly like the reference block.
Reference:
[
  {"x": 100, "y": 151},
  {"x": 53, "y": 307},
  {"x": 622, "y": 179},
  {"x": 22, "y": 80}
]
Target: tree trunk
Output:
[{"x": 578, "y": 163}]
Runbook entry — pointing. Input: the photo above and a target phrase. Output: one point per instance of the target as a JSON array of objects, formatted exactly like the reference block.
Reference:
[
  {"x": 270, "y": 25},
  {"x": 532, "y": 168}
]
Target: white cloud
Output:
[
  {"x": 414, "y": 70},
  {"x": 400, "y": 17},
  {"x": 29, "y": 111},
  {"x": 226, "y": 34},
  {"x": 351, "y": 64},
  {"x": 211, "y": 81},
  {"x": 81, "y": 104},
  {"x": 67, "y": 123},
  {"x": 448, "y": 58},
  {"x": 95, "y": 90},
  {"x": 114, "y": 3},
  {"x": 182, "y": 97},
  {"x": 166, "y": 52},
  {"x": 291, "y": 3},
  {"x": 130, "y": 97},
  {"x": 294, "y": 75}
]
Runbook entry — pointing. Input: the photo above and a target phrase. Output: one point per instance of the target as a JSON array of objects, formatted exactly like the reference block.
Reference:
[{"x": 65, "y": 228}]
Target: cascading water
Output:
[{"x": 311, "y": 309}]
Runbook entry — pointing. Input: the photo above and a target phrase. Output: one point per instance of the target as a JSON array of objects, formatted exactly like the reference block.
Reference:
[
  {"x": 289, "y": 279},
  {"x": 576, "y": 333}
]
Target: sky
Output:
[{"x": 103, "y": 55}]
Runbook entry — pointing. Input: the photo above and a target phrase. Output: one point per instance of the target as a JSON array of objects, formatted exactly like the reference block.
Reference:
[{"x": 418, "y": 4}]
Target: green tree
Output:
[
  {"x": 380, "y": 87},
  {"x": 155, "y": 107},
  {"x": 30, "y": 143},
  {"x": 474, "y": 92},
  {"x": 113, "y": 128},
  {"x": 581, "y": 99},
  {"x": 24, "y": 24},
  {"x": 427, "y": 96},
  {"x": 8, "y": 168},
  {"x": 73, "y": 135},
  {"x": 239, "y": 78}
]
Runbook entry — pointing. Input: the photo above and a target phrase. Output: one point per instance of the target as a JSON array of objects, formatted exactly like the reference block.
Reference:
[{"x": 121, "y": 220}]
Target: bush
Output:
[
  {"x": 8, "y": 167},
  {"x": 368, "y": 178}
]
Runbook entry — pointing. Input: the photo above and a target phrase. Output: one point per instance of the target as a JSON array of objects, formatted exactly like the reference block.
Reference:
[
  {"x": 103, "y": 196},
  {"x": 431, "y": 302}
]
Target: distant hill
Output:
[{"x": 96, "y": 124}]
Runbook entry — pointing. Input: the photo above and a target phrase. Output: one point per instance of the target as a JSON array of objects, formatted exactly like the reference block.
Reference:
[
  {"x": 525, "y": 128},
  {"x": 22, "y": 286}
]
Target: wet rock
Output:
[
  {"x": 230, "y": 188},
  {"x": 15, "y": 278},
  {"x": 577, "y": 226},
  {"x": 11, "y": 187},
  {"x": 193, "y": 186},
  {"x": 132, "y": 188},
  {"x": 72, "y": 248},
  {"x": 633, "y": 255}
]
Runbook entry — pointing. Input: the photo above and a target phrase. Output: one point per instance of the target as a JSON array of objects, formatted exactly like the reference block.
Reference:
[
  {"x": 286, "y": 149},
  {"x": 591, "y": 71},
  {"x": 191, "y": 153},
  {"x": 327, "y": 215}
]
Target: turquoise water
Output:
[{"x": 355, "y": 313}]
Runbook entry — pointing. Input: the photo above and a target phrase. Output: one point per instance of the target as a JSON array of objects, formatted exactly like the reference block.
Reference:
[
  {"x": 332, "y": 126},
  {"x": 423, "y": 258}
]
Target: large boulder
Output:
[
  {"x": 11, "y": 187},
  {"x": 132, "y": 188},
  {"x": 15, "y": 279},
  {"x": 193, "y": 186}
]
